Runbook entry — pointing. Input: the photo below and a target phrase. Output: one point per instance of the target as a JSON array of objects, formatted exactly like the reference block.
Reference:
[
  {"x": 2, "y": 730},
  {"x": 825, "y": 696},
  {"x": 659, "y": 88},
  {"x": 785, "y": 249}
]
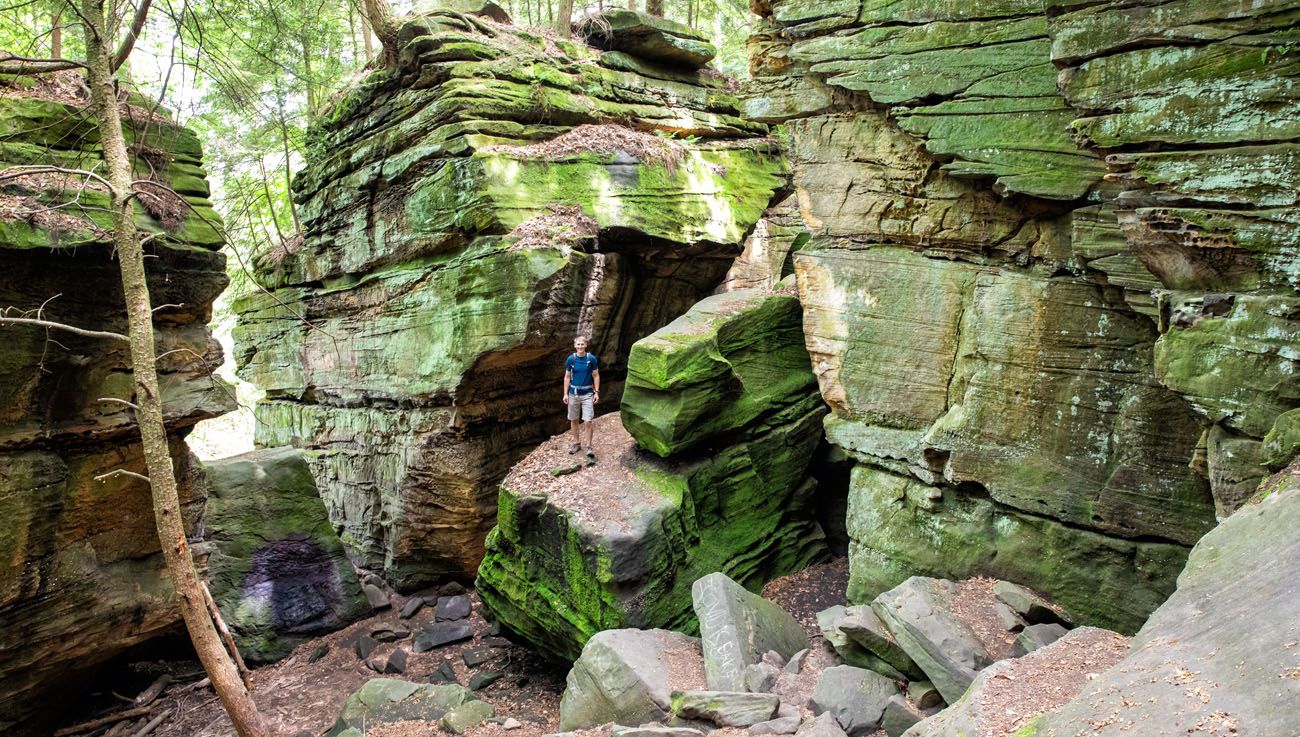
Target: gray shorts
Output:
[{"x": 583, "y": 403}]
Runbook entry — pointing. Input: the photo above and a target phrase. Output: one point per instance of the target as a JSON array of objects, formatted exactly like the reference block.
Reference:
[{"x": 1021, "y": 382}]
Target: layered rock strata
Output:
[
  {"x": 723, "y": 421},
  {"x": 81, "y": 576},
  {"x": 1050, "y": 290},
  {"x": 465, "y": 216}
]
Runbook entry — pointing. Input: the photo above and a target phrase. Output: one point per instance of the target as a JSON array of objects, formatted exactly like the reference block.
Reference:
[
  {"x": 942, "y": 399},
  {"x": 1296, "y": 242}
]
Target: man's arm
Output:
[
  {"x": 595, "y": 385},
  {"x": 567, "y": 375}
]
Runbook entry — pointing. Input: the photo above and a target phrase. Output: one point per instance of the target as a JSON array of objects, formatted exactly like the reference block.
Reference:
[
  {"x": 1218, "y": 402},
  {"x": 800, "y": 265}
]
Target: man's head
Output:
[{"x": 580, "y": 345}]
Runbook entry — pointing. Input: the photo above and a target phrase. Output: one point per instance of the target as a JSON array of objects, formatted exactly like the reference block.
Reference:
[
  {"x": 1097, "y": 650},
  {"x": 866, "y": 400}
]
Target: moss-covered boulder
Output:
[
  {"x": 648, "y": 37},
  {"x": 619, "y": 544},
  {"x": 81, "y": 575},
  {"x": 725, "y": 365},
  {"x": 465, "y": 215},
  {"x": 387, "y": 700},
  {"x": 276, "y": 567}
]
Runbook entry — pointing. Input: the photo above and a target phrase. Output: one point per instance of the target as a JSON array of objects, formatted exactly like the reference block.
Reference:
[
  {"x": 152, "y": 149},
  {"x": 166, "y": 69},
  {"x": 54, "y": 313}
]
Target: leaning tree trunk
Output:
[
  {"x": 149, "y": 413},
  {"x": 655, "y": 8}
]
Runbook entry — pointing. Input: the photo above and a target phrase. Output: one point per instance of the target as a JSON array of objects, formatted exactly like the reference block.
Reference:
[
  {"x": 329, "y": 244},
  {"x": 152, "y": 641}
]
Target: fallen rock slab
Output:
[
  {"x": 441, "y": 633},
  {"x": 780, "y": 725},
  {"x": 1027, "y": 604},
  {"x": 1036, "y": 636},
  {"x": 387, "y": 700},
  {"x": 1222, "y": 656},
  {"x": 856, "y": 697},
  {"x": 1009, "y": 694},
  {"x": 737, "y": 628},
  {"x": 725, "y": 708},
  {"x": 824, "y": 725},
  {"x": 627, "y": 677},
  {"x": 654, "y": 730},
  {"x": 918, "y": 613}
]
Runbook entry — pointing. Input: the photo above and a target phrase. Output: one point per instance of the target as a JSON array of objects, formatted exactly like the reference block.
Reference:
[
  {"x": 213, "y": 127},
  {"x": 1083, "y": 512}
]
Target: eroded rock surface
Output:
[
  {"x": 1050, "y": 286},
  {"x": 465, "y": 215},
  {"x": 81, "y": 575}
]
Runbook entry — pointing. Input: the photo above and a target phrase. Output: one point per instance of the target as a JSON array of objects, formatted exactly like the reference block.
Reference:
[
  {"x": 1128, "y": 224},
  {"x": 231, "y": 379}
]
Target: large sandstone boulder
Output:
[
  {"x": 81, "y": 576},
  {"x": 1220, "y": 656},
  {"x": 647, "y": 37},
  {"x": 628, "y": 676},
  {"x": 725, "y": 366},
  {"x": 856, "y": 697},
  {"x": 508, "y": 196},
  {"x": 738, "y": 628},
  {"x": 620, "y": 543},
  {"x": 919, "y": 613},
  {"x": 276, "y": 567}
]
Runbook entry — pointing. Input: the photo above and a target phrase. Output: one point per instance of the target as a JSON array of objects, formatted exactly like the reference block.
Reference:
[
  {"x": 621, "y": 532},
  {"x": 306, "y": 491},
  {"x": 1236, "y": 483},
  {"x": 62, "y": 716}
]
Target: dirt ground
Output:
[{"x": 304, "y": 698}]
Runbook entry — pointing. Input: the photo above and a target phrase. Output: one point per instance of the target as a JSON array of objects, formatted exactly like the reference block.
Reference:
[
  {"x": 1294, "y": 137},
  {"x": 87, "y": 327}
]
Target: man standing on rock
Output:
[{"x": 581, "y": 392}]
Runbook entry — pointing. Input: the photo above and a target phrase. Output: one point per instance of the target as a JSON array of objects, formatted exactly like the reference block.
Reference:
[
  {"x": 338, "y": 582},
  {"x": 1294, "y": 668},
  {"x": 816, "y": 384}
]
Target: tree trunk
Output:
[
  {"x": 149, "y": 414},
  {"x": 380, "y": 15},
  {"x": 56, "y": 35},
  {"x": 564, "y": 19},
  {"x": 655, "y": 8}
]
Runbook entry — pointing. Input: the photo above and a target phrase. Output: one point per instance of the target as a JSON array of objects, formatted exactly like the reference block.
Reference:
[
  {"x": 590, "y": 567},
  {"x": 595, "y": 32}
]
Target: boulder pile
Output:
[{"x": 884, "y": 667}]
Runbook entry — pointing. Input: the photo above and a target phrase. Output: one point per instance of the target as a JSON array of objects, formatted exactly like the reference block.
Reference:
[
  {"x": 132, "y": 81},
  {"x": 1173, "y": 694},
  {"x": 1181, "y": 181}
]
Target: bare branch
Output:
[
  {"x": 122, "y": 472},
  {"x": 60, "y": 326},
  {"x": 132, "y": 405},
  {"x": 27, "y": 170},
  {"x": 132, "y": 33},
  {"x": 178, "y": 306},
  {"x": 14, "y": 64}
]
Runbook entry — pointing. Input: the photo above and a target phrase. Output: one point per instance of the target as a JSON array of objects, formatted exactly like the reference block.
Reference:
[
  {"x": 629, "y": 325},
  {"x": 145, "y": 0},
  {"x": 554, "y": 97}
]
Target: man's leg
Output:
[
  {"x": 574, "y": 414},
  {"x": 589, "y": 414}
]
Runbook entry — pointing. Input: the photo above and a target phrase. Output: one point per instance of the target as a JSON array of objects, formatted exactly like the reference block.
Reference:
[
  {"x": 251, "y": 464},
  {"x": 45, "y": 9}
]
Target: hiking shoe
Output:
[
  {"x": 591, "y": 453},
  {"x": 574, "y": 448}
]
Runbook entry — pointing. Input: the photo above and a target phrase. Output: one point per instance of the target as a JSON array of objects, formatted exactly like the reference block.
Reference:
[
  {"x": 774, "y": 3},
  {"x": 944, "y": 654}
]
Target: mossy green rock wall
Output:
[
  {"x": 81, "y": 576},
  {"x": 276, "y": 567},
  {"x": 456, "y": 239},
  {"x": 723, "y": 487},
  {"x": 1050, "y": 292}
]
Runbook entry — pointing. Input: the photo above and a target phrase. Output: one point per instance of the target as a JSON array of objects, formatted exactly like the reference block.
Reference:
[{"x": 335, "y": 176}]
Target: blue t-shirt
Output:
[{"x": 582, "y": 370}]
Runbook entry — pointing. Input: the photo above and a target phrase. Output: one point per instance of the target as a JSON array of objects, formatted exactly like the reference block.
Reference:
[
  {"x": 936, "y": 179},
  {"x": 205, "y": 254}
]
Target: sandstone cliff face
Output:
[
  {"x": 1050, "y": 293},
  {"x": 461, "y": 225},
  {"x": 81, "y": 577}
]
